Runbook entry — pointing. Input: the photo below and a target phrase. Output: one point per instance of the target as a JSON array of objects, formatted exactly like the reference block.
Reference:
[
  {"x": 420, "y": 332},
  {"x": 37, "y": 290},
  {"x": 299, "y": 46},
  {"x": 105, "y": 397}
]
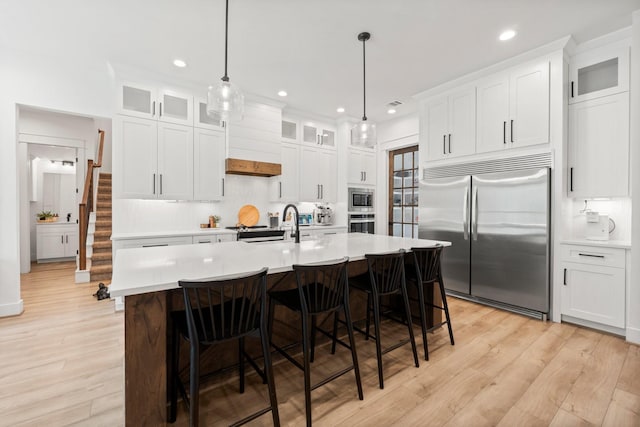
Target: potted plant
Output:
[{"x": 47, "y": 216}]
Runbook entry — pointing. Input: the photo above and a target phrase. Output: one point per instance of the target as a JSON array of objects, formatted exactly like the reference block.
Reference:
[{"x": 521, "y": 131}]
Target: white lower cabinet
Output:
[
  {"x": 56, "y": 241},
  {"x": 593, "y": 287},
  {"x": 317, "y": 232},
  {"x": 214, "y": 238}
]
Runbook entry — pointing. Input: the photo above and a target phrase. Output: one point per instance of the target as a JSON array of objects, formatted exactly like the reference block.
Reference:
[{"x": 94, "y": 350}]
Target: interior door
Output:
[{"x": 444, "y": 215}]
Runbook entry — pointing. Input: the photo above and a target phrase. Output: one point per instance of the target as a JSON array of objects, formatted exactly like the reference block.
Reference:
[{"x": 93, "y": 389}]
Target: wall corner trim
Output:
[{"x": 13, "y": 309}]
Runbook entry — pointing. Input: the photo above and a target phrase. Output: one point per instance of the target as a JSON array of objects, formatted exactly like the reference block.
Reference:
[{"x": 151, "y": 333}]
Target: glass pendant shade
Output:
[
  {"x": 364, "y": 134},
  {"x": 225, "y": 101}
]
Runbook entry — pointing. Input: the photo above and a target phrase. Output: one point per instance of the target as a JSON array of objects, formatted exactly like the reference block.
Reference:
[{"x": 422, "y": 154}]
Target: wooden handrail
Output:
[{"x": 86, "y": 205}]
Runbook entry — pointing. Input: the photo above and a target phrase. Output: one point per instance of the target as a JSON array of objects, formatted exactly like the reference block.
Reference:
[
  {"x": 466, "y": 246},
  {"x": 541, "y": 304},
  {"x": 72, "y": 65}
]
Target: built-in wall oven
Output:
[
  {"x": 362, "y": 222},
  {"x": 361, "y": 200}
]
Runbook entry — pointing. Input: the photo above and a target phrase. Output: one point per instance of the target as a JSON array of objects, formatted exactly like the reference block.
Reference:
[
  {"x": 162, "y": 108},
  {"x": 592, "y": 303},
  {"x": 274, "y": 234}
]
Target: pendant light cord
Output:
[
  {"x": 364, "y": 82},
  {"x": 225, "y": 78}
]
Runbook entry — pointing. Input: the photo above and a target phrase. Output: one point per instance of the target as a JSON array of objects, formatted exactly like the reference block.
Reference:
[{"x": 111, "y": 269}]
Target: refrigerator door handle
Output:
[
  {"x": 465, "y": 214},
  {"x": 474, "y": 215}
]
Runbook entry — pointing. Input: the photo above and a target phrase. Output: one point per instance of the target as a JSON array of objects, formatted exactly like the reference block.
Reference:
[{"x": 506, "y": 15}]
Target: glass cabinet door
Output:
[
  {"x": 175, "y": 108},
  {"x": 289, "y": 130},
  {"x": 328, "y": 138},
  {"x": 138, "y": 101},
  {"x": 599, "y": 72},
  {"x": 202, "y": 119},
  {"x": 310, "y": 134}
]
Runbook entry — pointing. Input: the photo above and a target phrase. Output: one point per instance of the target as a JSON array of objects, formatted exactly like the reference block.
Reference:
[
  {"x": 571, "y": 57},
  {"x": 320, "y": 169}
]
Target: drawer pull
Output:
[
  {"x": 155, "y": 246},
  {"x": 565, "y": 277},
  {"x": 592, "y": 256}
]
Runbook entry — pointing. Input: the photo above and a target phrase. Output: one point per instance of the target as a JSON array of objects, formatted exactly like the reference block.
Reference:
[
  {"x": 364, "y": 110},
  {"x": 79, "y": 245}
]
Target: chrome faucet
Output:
[{"x": 284, "y": 218}]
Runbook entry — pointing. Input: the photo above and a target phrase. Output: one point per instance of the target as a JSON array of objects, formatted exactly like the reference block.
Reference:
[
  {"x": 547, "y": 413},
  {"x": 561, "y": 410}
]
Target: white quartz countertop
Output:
[
  {"x": 152, "y": 234},
  {"x": 142, "y": 270},
  {"x": 622, "y": 244}
]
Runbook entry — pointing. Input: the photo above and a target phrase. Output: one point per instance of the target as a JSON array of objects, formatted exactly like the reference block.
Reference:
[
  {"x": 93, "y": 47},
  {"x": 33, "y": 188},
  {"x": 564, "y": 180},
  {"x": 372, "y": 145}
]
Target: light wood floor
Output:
[{"x": 61, "y": 363}]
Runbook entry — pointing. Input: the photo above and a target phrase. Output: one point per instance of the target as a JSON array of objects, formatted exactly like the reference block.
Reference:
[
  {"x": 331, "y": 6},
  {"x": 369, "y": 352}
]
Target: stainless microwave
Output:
[{"x": 361, "y": 199}]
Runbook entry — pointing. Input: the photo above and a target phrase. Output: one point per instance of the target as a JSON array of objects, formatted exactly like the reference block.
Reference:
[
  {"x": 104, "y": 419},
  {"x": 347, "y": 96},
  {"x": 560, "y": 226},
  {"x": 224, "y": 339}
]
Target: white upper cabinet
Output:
[
  {"x": 361, "y": 167},
  {"x": 599, "y": 147},
  {"x": 513, "y": 108},
  {"x": 208, "y": 164},
  {"x": 149, "y": 102},
  {"x": 450, "y": 124},
  {"x": 152, "y": 160},
  {"x": 319, "y": 134},
  {"x": 318, "y": 182},
  {"x": 285, "y": 187},
  {"x": 201, "y": 119},
  {"x": 599, "y": 72},
  {"x": 289, "y": 130}
]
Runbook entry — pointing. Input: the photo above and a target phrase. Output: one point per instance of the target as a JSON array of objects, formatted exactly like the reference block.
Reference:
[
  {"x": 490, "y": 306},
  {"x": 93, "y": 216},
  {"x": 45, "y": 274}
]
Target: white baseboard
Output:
[
  {"x": 594, "y": 325},
  {"x": 119, "y": 303},
  {"x": 83, "y": 276},
  {"x": 13, "y": 309},
  {"x": 633, "y": 335}
]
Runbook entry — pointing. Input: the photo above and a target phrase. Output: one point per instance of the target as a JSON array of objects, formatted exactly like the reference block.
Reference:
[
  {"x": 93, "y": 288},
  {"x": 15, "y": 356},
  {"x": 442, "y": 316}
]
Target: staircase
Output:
[{"x": 101, "y": 262}]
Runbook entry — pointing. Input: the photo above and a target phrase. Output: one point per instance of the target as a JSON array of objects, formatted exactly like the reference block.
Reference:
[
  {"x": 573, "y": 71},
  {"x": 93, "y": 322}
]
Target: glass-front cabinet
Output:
[
  {"x": 599, "y": 72},
  {"x": 404, "y": 187}
]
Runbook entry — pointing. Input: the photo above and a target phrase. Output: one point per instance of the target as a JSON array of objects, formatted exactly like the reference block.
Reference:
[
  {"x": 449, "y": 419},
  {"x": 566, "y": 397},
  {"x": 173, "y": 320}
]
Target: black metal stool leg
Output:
[
  {"x": 335, "y": 331},
  {"x": 268, "y": 370},
  {"x": 271, "y": 314},
  {"x": 405, "y": 297},
  {"x": 194, "y": 385},
  {"x": 376, "y": 321},
  {"x": 446, "y": 309},
  {"x": 241, "y": 362},
  {"x": 313, "y": 338},
  {"x": 368, "y": 316},
  {"x": 423, "y": 319},
  {"x": 352, "y": 343},
  {"x": 307, "y": 370}
]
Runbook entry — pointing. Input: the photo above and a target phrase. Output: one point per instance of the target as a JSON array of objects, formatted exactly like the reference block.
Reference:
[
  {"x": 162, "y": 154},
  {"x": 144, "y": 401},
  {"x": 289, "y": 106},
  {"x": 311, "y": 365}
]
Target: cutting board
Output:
[{"x": 248, "y": 215}]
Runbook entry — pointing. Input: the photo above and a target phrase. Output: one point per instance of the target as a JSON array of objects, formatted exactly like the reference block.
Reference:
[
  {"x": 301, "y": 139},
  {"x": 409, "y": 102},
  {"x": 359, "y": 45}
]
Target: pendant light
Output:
[
  {"x": 364, "y": 133},
  {"x": 225, "y": 101}
]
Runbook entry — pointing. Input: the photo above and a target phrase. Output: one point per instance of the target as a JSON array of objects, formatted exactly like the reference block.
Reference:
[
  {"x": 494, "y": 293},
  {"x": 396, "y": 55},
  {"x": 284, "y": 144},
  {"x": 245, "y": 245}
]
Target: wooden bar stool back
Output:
[
  {"x": 321, "y": 289},
  {"x": 386, "y": 276},
  {"x": 218, "y": 311},
  {"x": 427, "y": 272}
]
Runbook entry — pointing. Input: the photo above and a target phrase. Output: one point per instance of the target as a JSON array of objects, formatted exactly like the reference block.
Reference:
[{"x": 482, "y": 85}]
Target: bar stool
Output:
[
  {"x": 218, "y": 311},
  {"x": 321, "y": 288},
  {"x": 386, "y": 276},
  {"x": 427, "y": 272}
]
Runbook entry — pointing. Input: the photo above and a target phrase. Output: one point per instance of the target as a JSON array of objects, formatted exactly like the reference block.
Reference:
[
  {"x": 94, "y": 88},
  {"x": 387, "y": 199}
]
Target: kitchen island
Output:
[{"x": 148, "y": 278}]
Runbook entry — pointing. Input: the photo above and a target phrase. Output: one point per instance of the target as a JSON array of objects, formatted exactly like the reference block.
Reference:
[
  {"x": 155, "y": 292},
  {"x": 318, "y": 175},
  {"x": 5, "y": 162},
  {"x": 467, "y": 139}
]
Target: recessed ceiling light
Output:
[
  {"x": 507, "y": 35},
  {"x": 391, "y": 111},
  {"x": 340, "y": 109},
  {"x": 282, "y": 93},
  {"x": 179, "y": 63}
]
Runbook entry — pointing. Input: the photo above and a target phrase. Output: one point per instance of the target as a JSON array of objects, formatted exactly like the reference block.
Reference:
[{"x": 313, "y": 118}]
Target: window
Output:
[{"x": 403, "y": 192}]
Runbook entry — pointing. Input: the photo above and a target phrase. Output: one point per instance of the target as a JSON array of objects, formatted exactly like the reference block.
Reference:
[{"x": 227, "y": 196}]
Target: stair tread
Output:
[
  {"x": 101, "y": 255},
  {"x": 106, "y": 268}
]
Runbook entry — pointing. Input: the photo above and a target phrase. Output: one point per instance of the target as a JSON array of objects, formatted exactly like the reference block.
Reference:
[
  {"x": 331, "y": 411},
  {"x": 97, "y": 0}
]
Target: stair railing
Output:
[{"x": 87, "y": 204}]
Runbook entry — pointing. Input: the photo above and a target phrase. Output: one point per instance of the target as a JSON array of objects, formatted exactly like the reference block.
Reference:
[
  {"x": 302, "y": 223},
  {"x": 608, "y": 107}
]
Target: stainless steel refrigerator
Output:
[{"x": 498, "y": 224}]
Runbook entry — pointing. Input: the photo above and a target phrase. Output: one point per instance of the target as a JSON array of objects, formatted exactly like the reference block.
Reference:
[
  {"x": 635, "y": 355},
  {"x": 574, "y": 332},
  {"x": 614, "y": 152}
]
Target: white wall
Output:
[
  {"x": 633, "y": 296},
  {"x": 83, "y": 86}
]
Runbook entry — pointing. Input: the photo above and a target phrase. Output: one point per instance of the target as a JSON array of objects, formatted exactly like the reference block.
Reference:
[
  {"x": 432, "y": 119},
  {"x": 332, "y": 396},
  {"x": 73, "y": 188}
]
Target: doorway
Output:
[{"x": 404, "y": 177}]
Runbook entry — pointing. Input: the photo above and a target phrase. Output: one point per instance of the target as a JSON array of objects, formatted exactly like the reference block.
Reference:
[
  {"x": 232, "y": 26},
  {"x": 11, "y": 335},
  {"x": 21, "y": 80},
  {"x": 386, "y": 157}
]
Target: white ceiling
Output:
[{"x": 308, "y": 47}]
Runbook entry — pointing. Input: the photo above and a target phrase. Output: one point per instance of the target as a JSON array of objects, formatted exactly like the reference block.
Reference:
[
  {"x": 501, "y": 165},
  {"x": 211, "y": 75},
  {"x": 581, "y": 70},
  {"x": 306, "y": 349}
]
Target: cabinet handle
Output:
[
  {"x": 572, "y": 89},
  {"x": 67, "y": 236},
  {"x": 511, "y": 130},
  {"x": 223, "y": 187},
  {"x": 204, "y": 241},
  {"x": 317, "y": 191},
  {"x": 160, "y": 109},
  {"x": 154, "y": 183},
  {"x": 322, "y": 191},
  {"x": 449, "y": 143},
  {"x": 444, "y": 144},
  {"x": 564, "y": 281},
  {"x": 153, "y": 108},
  {"x": 62, "y": 240},
  {"x": 592, "y": 256},
  {"x": 365, "y": 175},
  {"x": 160, "y": 183},
  {"x": 280, "y": 185},
  {"x": 504, "y": 132},
  {"x": 361, "y": 176},
  {"x": 155, "y": 246},
  {"x": 571, "y": 179}
]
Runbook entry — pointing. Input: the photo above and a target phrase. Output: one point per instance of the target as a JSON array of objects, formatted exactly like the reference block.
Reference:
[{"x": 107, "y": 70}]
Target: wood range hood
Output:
[{"x": 252, "y": 168}]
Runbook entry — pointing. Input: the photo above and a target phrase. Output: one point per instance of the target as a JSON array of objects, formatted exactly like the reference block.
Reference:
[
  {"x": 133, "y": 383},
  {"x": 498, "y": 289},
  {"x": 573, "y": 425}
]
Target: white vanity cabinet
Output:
[
  {"x": 56, "y": 241},
  {"x": 599, "y": 147},
  {"x": 361, "y": 166},
  {"x": 152, "y": 160},
  {"x": 513, "y": 108},
  {"x": 593, "y": 286},
  {"x": 599, "y": 72},
  {"x": 156, "y": 103},
  {"x": 449, "y": 123}
]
